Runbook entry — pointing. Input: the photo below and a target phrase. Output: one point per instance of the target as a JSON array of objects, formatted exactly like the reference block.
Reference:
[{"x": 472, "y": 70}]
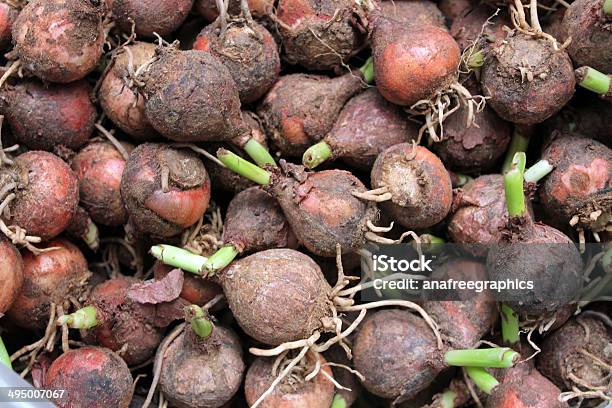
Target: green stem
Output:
[
  {"x": 510, "y": 325},
  {"x": 243, "y": 167},
  {"x": 448, "y": 399},
  {"x": 92, "y": 236},
  {"x": 220, "y": 259},
  {"x": 316, "y": 154},
  {"x": 519, "y": 143},
  {"x": 200, "y": 323},
  {"x": 607, "y": 7},
  {"x": 513, "y": 185},
  {"x": 4, "y": 355},
  {"x": 483, "y": 380},
  {"x": 476, "y": 60},
  {"x": 367, "y": 70},
  {"x": 338, "y": 402},
  {"x": 259, "y": 153},
  {"x": 593, "y": 80},
  {"x": 84, "y": 318},
  {"x": 538, "y": 171},
  {"x": 179, "y": 258},
  {"x": 498, "y": 357}
]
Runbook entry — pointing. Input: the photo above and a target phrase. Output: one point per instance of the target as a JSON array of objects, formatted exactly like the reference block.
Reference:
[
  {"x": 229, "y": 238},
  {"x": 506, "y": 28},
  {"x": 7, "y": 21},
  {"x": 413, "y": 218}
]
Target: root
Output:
[
  {"x": 47, "y": 341},
  {"x": 374, "y": 228},
  {"x": 165, "y": 179},
  {"x": 159, "y": 360},
  {"x": 402, "y": 303},
  {"x": 4, "y": 158},
  {"x": 111, "y": 257},
  {"x": 471, "y": 389},
  {"x": 111, "y": 138},
  {"x": 378, "y": 195},
  {"x": 577, "y": 393},
  {"x": 199, "y": 150},
  {"x": 205, "y": 238},
  {"x": 19, "y": 237},
  {"x": 292, "y": 345},
  {"x": 443, "y": 104},
  {"x": 222, "y": 8},
  {"x": 64, "y": 326},
  {"x": 466, "y": 56},
  {"x": 15, "y": 66},
  {"x": 519, "y": 21},
  {"x": 280, "y": 377}
]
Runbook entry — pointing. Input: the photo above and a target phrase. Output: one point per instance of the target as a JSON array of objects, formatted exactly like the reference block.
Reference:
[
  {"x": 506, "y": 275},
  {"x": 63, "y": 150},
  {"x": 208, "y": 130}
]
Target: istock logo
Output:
[{"x": 385, "y": 263}]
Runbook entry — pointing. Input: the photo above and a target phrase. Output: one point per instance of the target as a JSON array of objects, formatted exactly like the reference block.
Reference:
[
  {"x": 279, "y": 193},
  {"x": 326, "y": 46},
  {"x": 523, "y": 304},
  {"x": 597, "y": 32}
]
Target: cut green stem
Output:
[
  {"x": 497, "y": 357},
  {"x": 593, "y": 80},
  {"x": 513, "y": 186},
  {"x": 607, "y": 7},
  {"x": 367, "y": 70},
  {"x": 4, "y": 355},
  {"x": 317, "y": 154},
  {"x": 92, "y": 236},
  {"x": 179, "y": 258},
  {"x": 220, "y": 259},
  {"x": 538, "y": 171},
  {"x": 338, "y": 402},
  {"x": 243, "y": 167},
  {"x": 510, "y": 325},
  {"x": 199, "y": 321},
  {"x": 259, "y": 153},
  {"x": 483, "y": 380},
  {"x": 84, "y": 318},
  {"x": 519, "y": 143},
  {"x": 448, "y": 398},
  {"x": 476, "y": 60},
  {"x": 460, "y": 180}
]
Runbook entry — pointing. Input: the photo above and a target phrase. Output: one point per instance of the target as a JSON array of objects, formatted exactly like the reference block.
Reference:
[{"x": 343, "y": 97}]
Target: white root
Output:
[{"x": 378, "y": 195}]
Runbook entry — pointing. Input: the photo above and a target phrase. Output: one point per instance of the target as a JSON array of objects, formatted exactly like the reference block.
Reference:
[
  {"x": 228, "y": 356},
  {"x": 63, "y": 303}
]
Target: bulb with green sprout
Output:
[{"x": 541, "y": 258}]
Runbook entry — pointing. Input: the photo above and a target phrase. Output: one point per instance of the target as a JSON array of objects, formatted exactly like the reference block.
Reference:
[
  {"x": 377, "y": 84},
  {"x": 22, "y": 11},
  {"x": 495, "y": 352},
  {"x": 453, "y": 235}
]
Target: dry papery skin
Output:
[
  {"x": 44, "y": 117},
  {"x": 463, "y": 323},
  {"x": 482, "y": 213},
  {"x": 92, "y": 377},
  {"x": 119, "y": 96},
  {"x": 301, "y": 109},
  {"x": 123, "y": 323},
  {"x": 526, "y": 80},
  {"x": 192, "y": 97},
  {"x": 591, "y": 34},
  {"x": 99, "y": 167},
  {"x": 420, "y": 186},
  {"x": 249, "y": 53},
  {"x": 581, "y": 182},
  {"x": 524, "y": 387},
  {"x": 573, "y": 351},
  {"x": 51, "y": 277},
  {"x": 321, "y": 208},
  {"x": 367, "y": 125},
  {"x": 477, "y": 148},
  {"x": 397, "y": 354},
  {"x": 318, "y": 34},
  {"x": 539, "y": 253},
  {"x": 8, "y": 15},
  {"x": 150, "y": 209},
  {"x": 47, "y": 197},
  {"x": 208, "y": 8},
  {"x": 413, "y": 12},
  {"x": 196, "y": 291},
  {"x": 411, "y": 62},
  {"x": 11, "y": 274},
  {"x": 255, "y": 222},
  {"x": 59, "y": 40},
  {"x": 278, "y": 295},
  {"x": 149, "y": 16},
  {"x": 316, "y": 393},
  {"x": 202, "y": 373}
]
